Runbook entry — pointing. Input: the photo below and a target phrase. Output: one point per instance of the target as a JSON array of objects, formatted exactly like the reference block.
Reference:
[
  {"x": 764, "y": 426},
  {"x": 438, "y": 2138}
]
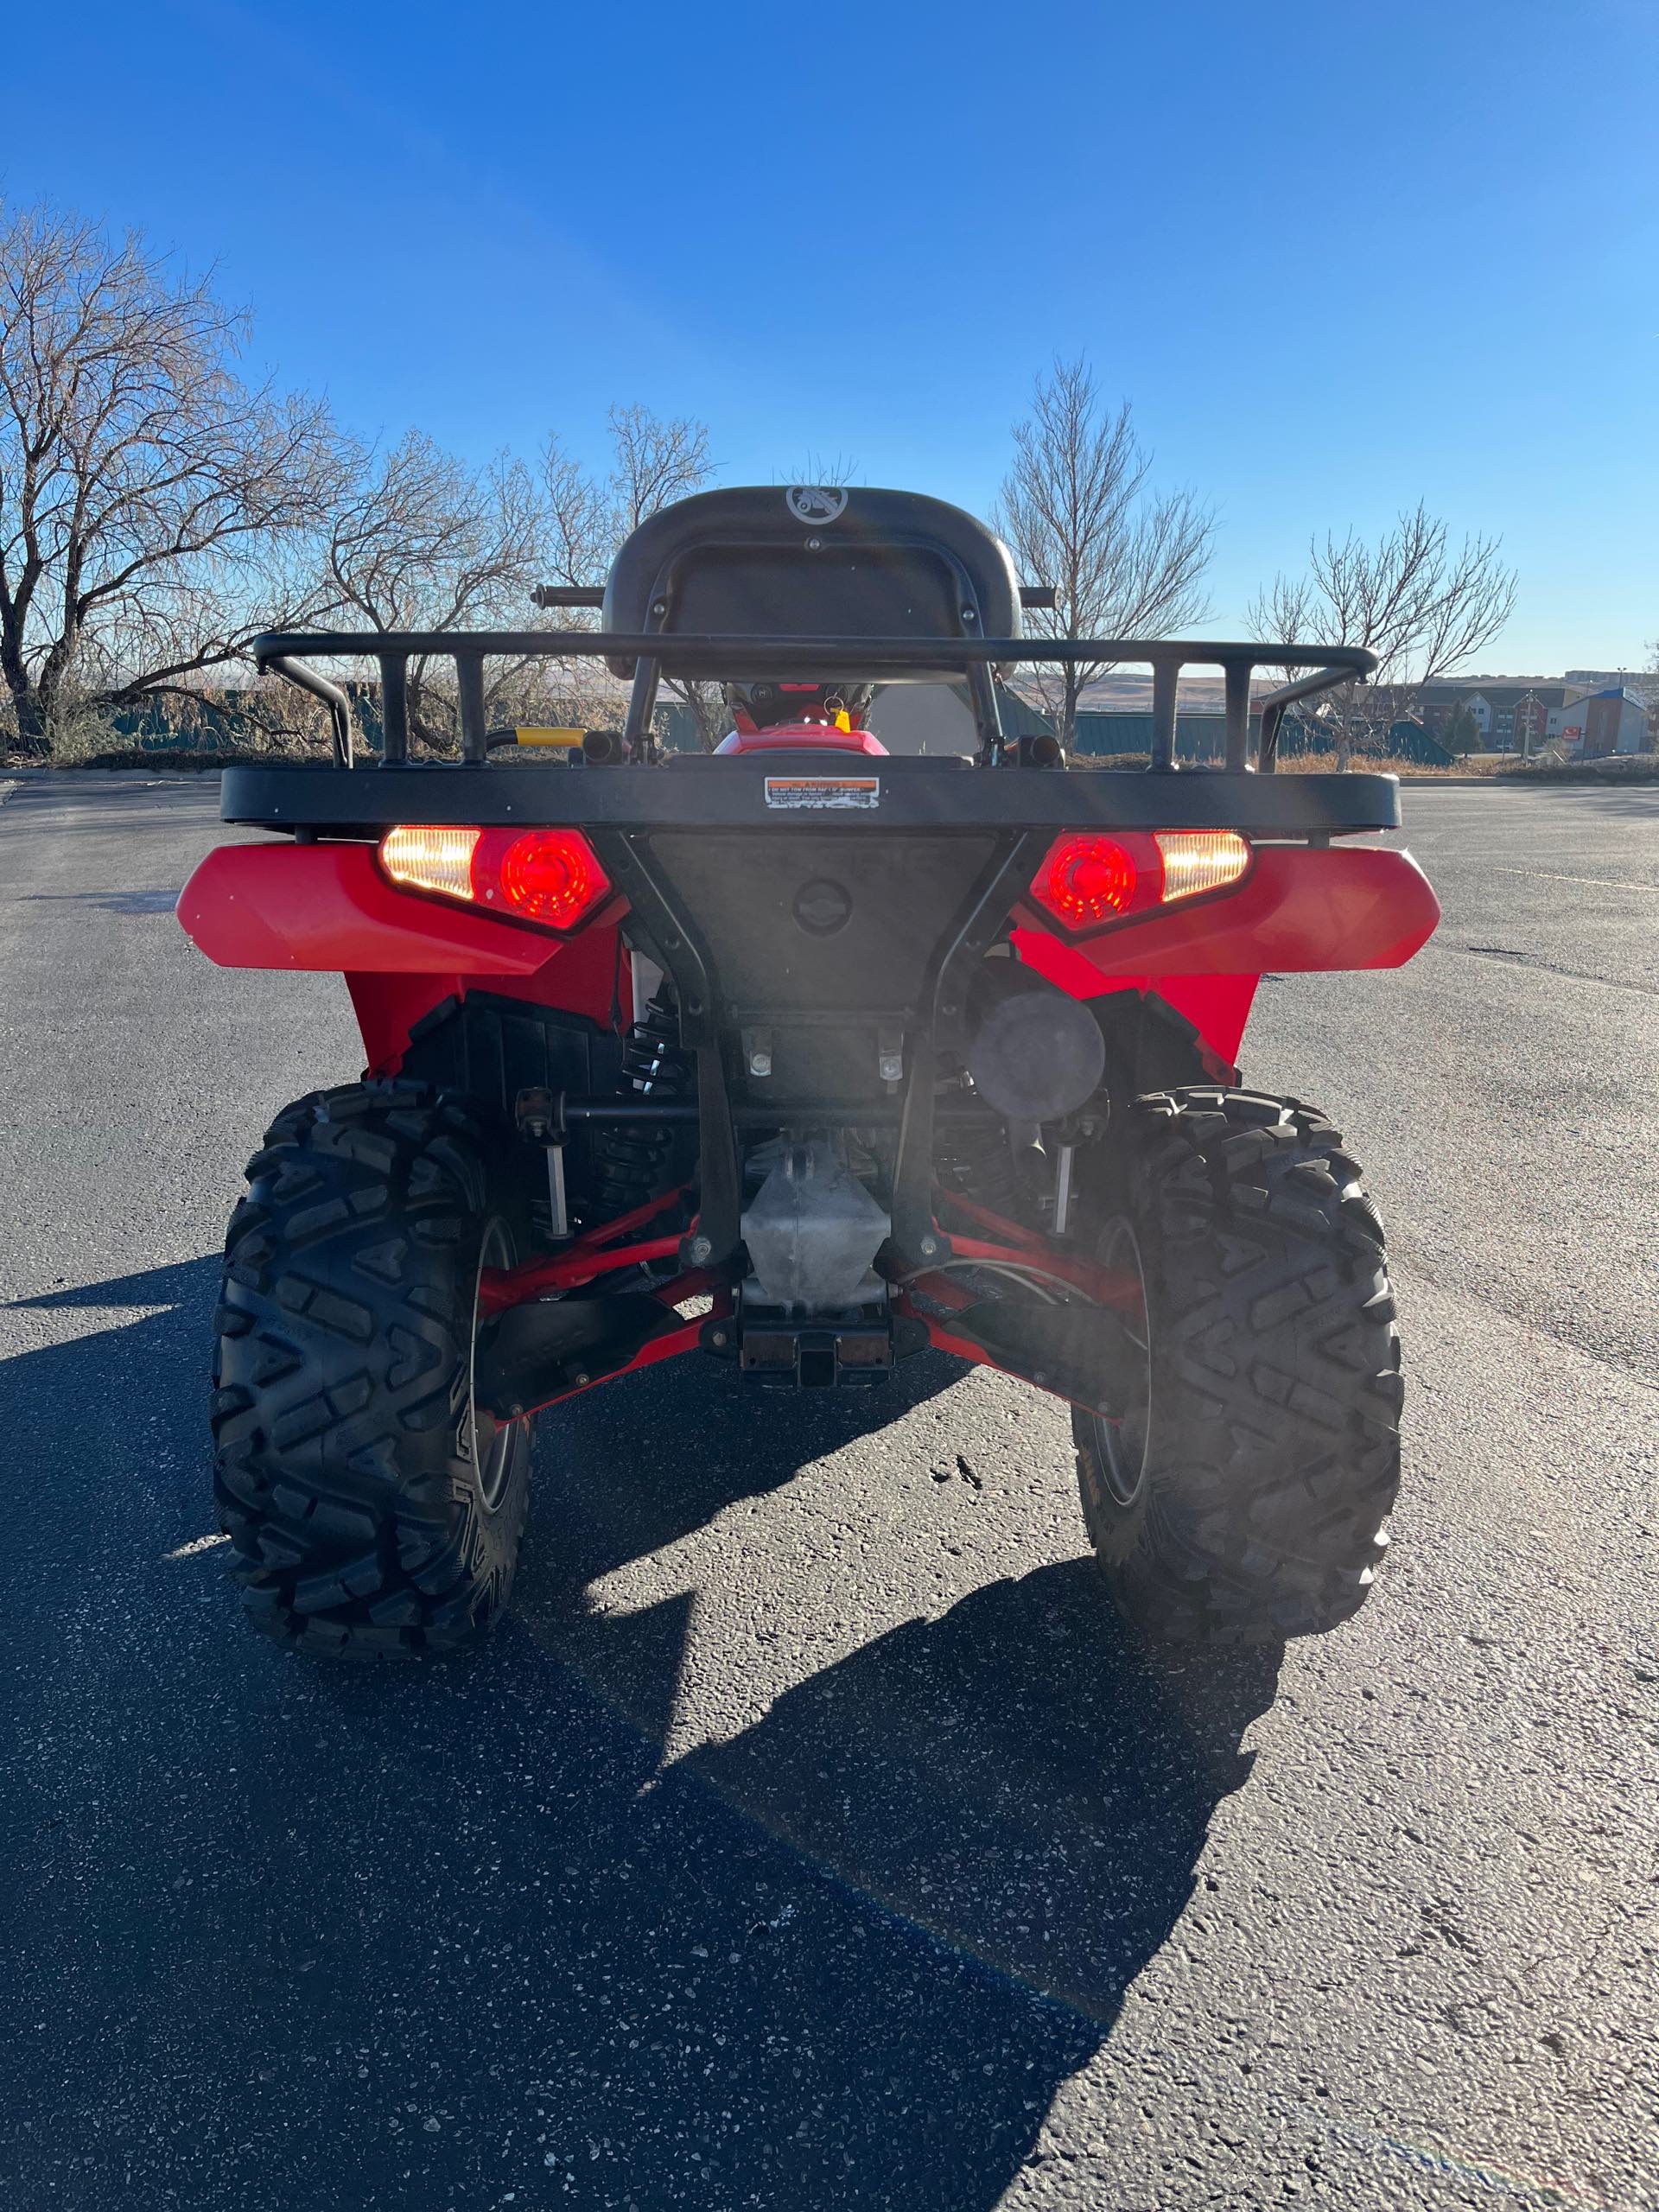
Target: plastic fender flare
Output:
[
  {"x": 328, "y": 907},
  {"x": 1300, "y": 910}
]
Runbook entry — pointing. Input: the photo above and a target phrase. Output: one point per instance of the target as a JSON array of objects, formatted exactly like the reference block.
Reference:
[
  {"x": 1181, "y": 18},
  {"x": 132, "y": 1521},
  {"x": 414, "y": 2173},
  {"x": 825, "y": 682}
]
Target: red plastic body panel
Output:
[
  {"x": 801, "y": 737},
  {"x": 328, "y": 906},
  {"x": 388, "y": 1006},
  {"x": 586, "y": 974},
  {"x": 1301, "y": 909}
]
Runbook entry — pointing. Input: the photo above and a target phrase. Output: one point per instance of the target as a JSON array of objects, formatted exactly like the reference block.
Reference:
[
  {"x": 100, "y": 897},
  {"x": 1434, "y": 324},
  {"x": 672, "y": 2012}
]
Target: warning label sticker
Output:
[{"x": 824, "y": 790}]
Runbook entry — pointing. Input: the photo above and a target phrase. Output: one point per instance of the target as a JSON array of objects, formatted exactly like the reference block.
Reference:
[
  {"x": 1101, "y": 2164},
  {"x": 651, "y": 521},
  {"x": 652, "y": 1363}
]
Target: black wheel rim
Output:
[
  {"x": 498, "y": 1446},
  {"x": 1123, "y": 1444}
]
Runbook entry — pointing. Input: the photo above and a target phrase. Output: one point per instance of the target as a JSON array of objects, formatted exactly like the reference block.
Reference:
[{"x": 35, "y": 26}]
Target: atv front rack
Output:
[{"x": 753, "y": 658}]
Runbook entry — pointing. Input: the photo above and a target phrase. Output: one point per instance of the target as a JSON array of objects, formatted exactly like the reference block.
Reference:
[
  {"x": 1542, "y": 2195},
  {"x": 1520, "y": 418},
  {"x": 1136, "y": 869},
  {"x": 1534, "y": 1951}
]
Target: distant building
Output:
[
  {"x": 1495, "y": 702},
  {"x": 1511, "y": 713},
  {"x": 1601, "y": 724},
  {"x": 1644, "y": 683}
]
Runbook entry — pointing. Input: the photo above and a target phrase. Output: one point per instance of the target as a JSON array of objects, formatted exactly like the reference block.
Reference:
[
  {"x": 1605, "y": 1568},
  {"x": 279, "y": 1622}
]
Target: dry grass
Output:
[
  {"x": 1380, "y": 764},
  {"x": 1299, "y": 764},
  {"x": 1489, "y": 767}
]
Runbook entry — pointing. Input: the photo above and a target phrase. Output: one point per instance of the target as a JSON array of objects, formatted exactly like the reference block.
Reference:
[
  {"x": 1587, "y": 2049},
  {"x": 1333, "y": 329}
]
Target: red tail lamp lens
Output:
[
  {"x": 549, "y": 876},
  {"x": 1087, "y": 880},
  {"x": 1090, "y": 879}
]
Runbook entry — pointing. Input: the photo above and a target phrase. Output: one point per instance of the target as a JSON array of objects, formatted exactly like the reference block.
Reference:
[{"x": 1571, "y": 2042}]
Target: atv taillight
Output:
[
  {"x": 430, "y": 859},
  {"x": 549, "y": 876},
  {"x": 1088, "y": 879},
  {"x": 1199, "y": 860}
]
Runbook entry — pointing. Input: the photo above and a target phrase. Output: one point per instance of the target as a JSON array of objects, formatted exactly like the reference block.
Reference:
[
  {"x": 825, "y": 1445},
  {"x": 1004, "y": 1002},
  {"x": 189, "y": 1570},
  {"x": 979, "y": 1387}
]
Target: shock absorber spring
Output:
[{"x": 630, "y": 1158}]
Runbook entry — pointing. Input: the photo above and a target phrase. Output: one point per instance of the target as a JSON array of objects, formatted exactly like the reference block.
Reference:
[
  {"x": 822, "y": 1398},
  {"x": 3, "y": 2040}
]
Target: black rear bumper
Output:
[{"x": 747, "y": 793}]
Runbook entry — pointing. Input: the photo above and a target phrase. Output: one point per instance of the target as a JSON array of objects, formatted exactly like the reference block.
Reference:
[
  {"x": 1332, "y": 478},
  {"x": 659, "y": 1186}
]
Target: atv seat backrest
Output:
[{"x": 809, "y": 560}]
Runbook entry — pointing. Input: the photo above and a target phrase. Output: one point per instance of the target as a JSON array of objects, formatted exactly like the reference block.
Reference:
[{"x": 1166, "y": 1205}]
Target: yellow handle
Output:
[{"x": 534, "y": 734}]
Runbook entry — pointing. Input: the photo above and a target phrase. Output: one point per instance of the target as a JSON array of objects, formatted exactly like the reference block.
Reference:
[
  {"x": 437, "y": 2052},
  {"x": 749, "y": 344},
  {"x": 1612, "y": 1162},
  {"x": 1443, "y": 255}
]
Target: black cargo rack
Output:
[
  {"x": 731, "y": 791},
  {"x": 751, "y": 659}
]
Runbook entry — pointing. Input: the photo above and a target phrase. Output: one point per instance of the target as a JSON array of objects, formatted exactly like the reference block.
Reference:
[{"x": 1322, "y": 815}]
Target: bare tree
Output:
[
  {"x": 583, "y": 532},
  {"x": 421, "y": 541},
  {"x": 1076, "y": 510},
  {"x": 1422, "y": 608},
  {"x": 831, "y": 471},
  {"x": 145, "y": 485},
  {"x": 654, "y": 461}
]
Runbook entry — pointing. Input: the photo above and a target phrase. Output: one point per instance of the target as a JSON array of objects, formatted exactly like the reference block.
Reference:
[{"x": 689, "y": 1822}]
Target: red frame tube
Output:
[
  {"x": 670, "y": 1345},
  {"x": 940, "y": 1338},
  {"x": 1102, "y": 1285},
  {"x": 581, "y": 1262},
  {"x": 1019, "y": 1246}
]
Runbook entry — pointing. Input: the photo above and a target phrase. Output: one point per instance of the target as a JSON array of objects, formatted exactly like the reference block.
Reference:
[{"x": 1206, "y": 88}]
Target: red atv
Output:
[{"x": 807, "y": 1057}]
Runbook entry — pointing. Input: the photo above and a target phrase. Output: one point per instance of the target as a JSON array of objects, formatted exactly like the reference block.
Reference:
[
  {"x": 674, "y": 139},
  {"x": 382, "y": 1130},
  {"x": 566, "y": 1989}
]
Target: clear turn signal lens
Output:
[
  {"x": 430, "y": 858},
  {"x": 1200, "y": 859}
]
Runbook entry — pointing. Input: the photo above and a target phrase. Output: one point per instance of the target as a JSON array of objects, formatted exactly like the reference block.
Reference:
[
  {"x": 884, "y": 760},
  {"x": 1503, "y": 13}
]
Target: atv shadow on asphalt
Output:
[
  {"x": 1020, "y": 1776},
  {"x": 306, "y": 1938}
]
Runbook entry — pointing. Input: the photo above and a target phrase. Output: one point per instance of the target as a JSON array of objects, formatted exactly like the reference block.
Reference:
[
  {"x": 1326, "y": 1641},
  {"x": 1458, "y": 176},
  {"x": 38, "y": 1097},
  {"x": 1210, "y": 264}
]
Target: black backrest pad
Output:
[{"x": 797, "y": 560}]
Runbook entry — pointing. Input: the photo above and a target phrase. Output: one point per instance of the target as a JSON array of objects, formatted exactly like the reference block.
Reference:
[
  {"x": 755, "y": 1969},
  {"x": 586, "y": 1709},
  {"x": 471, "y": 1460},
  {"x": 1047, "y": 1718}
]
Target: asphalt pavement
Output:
[{"x": 811, "y": 1836}]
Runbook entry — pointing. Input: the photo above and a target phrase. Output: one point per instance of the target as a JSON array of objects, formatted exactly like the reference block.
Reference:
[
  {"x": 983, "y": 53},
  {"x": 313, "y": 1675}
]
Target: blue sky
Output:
[{"x": 1341, "y": 254}]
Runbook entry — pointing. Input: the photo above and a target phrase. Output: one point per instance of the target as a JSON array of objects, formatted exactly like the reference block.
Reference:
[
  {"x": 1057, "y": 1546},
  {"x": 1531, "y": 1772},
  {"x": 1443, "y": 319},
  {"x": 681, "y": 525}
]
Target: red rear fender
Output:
[
  {"x": 328, "y": 906},
  {"x": 1301, "y": 909}
]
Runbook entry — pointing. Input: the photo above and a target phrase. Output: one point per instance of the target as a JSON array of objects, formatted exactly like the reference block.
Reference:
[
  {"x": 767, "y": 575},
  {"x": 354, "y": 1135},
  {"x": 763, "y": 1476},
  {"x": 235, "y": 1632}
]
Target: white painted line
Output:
[
  {"x": 1595, "y": 882},
  {"x": 197, "y": 1544}
]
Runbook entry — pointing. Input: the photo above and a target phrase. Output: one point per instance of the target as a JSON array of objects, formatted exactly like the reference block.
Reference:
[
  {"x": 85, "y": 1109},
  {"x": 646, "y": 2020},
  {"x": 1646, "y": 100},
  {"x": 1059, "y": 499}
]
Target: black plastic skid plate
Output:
[{"x": 753, "y": 793}]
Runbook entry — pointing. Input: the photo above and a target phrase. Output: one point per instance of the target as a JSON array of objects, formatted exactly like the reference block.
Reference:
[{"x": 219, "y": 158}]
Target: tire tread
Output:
[
  {"x": 340, "y": 1413},
  {"x": 1276, "y": 1384}
]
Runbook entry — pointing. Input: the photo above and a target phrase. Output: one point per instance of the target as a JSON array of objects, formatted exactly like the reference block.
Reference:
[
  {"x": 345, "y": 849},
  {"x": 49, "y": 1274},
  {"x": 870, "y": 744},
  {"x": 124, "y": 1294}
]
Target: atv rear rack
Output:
[
  {"x": 732, "y": 793},
  {"x": 751, "y": 659}
]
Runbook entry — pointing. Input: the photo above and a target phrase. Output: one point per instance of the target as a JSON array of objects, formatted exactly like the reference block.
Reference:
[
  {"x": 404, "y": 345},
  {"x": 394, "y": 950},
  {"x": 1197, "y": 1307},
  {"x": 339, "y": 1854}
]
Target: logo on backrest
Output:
[{"x": 815, "y": 502}]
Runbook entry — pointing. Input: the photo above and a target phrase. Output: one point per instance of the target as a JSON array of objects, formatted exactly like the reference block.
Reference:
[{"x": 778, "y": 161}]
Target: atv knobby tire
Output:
[
  {"x": 370, "y": 1509},
  {"x": 1246, "y": 1498}
]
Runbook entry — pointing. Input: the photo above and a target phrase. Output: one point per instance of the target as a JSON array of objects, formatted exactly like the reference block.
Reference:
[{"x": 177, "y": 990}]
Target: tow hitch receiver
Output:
[
  {"x": 814, "y": 1352},
  {"x": 816, "y": 1358}
]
